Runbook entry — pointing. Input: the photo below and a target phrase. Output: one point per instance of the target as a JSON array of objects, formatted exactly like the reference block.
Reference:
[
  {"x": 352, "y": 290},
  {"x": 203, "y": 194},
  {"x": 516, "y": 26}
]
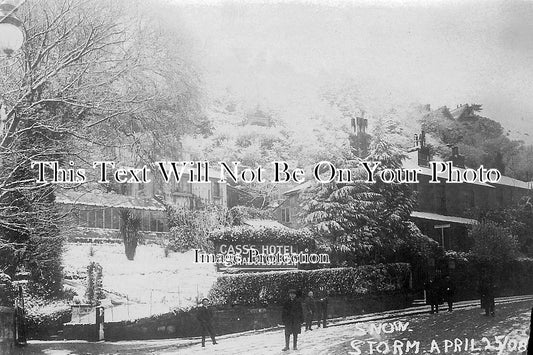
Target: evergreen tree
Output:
[
  {"x": 367, "y": 222},
  {"x": 130, "y": 224}
]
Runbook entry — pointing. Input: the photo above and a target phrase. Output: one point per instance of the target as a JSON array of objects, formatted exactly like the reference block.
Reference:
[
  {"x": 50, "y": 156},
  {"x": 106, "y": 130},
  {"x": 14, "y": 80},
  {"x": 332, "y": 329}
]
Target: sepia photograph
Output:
[{"x": 315, "y": 177}]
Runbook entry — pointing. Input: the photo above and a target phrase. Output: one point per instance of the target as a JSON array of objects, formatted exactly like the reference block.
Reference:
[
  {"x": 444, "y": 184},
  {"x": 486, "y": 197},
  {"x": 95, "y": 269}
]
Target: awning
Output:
[{"x": 442, "y": 218}]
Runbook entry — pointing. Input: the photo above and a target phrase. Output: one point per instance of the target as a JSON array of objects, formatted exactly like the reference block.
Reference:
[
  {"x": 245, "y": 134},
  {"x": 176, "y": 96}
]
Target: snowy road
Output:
[{"x": 443, "y": 333}]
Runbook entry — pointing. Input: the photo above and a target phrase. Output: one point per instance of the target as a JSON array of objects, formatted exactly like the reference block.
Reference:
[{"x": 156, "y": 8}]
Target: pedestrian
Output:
[
  {"x": 292, "y": 318},
  {"x": 433, "y": 295},
  {"x": 448, "y": 290},
  {"x": 487, "y": 293},
  {"x": 309, "y": 310},
  {"x": 322, "y": 308},
  {"x": 205, "y": 317}
]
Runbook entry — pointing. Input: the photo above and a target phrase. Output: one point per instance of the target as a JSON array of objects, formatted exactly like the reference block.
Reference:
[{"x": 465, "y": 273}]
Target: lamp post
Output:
[{"x": 12, "y": 33}]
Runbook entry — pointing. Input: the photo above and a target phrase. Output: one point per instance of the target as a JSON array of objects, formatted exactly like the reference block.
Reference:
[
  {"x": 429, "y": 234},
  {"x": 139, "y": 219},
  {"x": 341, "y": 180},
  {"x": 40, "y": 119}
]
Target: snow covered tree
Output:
[{"x": 130, "y": 225}]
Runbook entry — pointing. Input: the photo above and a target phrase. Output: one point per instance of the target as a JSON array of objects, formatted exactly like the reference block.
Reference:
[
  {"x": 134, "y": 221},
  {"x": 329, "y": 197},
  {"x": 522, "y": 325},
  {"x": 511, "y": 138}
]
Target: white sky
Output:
[{"x": 442, "y": 53}]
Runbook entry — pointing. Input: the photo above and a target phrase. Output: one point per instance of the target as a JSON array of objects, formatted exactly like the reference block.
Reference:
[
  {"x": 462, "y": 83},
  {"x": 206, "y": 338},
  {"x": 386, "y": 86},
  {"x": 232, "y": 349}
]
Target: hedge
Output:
[
  {"x": 272, "y": 287},
  {"x": 512, "y": 278},
  {"x": 264, "y": 235}
]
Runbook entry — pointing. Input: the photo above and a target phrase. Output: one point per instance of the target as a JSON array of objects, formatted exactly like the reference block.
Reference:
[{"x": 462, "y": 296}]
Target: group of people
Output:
[
  {"x": 443, "y": 290},
  {"x": 295, "y": 312},
  {"x": 439, "y": 291}
]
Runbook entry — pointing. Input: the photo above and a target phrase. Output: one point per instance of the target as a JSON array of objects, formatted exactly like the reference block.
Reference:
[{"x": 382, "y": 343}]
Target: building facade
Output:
[
  {"x": 444, "y": 210},
  {"x": 96, "y": 214}
]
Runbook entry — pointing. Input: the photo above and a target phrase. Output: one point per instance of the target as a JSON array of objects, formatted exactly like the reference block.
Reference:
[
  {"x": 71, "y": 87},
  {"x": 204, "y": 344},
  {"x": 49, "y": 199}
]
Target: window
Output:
[
  {"x": 145, "y": 220},
  {"x": 216, "y": 189},
  {"x": 83, "y": 218},
  {"x": 286, "y": 215},
  {"x": 153, "y": 222},
  {"x": 108, "y": 218},
  {"x": 99, "y": 218},
  {"x": 92, "y": 218},
  {"x": 116, "y": 218}
]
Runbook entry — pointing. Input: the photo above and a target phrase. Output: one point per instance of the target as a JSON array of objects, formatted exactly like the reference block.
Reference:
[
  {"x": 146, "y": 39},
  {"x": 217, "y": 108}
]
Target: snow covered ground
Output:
[{"x": 150, "y": 284}]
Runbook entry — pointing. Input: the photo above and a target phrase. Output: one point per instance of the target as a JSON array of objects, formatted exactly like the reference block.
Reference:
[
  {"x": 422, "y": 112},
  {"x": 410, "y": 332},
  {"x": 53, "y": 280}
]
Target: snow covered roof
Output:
[
  {"x": 411, "y": 162},
  {"x": 298, "y": 188},
  {"x": 107, "y": 200},
  {"x": 264, "y": 223},
  {"x": 442, "y": 218},
  {"x": 508, "y": 181}
]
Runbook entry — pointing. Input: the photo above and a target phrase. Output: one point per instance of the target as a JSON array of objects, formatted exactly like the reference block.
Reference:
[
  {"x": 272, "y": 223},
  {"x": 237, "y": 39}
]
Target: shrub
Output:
[
  {"x": 189, "y": 229},
  {"x": 493, "y": 244},
  {"x": 272, "y": 287},
  {"x": 94, "y": 292},
  {"x": 514, "y": 277},
  {"x": 238, "y": 214}
]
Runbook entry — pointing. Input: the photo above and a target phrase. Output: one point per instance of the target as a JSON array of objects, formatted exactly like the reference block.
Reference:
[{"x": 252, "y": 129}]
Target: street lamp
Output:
[{"x": 12, "y": 34}]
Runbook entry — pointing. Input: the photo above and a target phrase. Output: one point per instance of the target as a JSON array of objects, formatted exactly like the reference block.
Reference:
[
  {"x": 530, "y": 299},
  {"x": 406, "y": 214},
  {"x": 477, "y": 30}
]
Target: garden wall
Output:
[{"x": 230, "y": 319}]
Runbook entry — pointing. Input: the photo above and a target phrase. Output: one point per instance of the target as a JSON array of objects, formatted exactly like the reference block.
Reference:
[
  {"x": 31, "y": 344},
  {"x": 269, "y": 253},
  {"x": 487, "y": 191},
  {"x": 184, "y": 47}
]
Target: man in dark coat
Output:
[
  {"x": 309, "y": 310},
  {"x": 432, "y": 295},
  {"x": 487, "y": 291},
  {"x": 292, "y": 318},
  {"x": 448, "y": 291},
  {"x": 205, "y": 316},
  {"x": 322, "y": 308}
]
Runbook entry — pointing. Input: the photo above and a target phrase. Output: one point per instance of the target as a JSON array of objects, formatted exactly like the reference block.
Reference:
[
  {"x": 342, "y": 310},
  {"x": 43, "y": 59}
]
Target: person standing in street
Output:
[
  {"x": 205, "y": 317},
  {"x": 292, "y": 318},
  {"x": 487, "y": 291},
  {"x": 433, "y": 295},
  {"x": 309, "y": 310},
  {"x": 448, "y": 290},
  {"x": 322, "y": 308}
]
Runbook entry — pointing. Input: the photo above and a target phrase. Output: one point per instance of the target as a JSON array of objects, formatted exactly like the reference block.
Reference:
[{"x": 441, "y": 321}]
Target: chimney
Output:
[
  {"x": 361, "y": 123},
  {"x": 423, "y": 151}
]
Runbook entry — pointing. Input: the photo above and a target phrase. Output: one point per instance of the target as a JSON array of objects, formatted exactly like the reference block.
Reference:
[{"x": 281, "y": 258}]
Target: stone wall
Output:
[
  {"x": 228, "y": 319},
  {"x": 7, "y": 335}
]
